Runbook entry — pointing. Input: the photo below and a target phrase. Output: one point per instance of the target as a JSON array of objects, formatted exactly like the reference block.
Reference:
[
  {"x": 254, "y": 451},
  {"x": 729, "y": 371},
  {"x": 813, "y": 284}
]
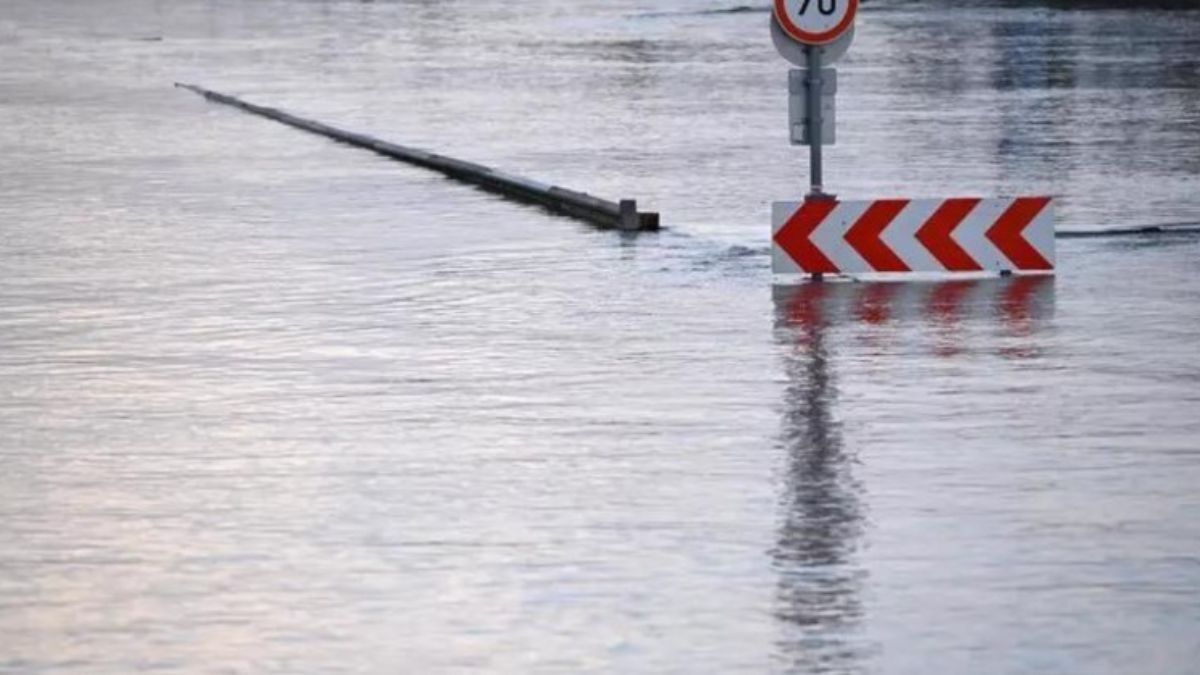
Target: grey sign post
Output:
[
  {"x": 815, "y": 121},
  {"x": 813, "y": 35}
]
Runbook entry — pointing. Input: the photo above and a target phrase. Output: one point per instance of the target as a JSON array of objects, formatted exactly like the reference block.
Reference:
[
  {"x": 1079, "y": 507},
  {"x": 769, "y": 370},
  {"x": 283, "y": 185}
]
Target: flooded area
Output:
[{"x": 272, "y": 404}]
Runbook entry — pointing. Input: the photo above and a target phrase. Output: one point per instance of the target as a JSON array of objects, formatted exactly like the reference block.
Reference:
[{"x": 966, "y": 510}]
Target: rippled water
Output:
[{"x": 268, "y": 403}]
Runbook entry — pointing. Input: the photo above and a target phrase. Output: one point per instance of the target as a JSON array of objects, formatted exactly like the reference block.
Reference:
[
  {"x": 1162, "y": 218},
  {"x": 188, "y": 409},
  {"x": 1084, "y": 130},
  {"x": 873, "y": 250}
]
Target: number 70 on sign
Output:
[{"x": 826, "y": 7}]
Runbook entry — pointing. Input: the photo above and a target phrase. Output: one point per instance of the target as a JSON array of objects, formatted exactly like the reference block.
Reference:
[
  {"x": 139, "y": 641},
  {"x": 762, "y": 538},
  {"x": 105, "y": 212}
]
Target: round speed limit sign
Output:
[{"x": 816, "y": 22}]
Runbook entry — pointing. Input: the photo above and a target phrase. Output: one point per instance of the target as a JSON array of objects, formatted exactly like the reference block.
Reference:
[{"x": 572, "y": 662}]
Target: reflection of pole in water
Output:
[
  {"x": 818, "y": 596},
  {"x": 820, "y": 580}
]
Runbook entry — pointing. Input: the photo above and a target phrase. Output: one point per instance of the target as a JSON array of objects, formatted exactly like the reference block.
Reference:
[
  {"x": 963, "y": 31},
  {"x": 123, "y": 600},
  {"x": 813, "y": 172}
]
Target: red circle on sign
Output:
[{"x": 814, "y": 38}]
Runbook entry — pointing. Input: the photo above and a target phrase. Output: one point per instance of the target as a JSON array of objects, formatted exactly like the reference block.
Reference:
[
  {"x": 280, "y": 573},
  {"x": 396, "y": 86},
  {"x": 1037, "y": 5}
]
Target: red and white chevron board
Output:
[{"x": 918, "y": 235}]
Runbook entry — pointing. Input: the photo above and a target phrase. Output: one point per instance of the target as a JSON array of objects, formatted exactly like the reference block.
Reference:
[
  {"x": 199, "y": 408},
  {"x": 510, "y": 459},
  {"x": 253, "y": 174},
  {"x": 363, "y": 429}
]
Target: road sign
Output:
[
  {"x": 798, "y": 107},
  {"x": 797, "y": 54},
  {"x": 803, "y": 31},
  {"x": 825, "y": 236},
  {"x": 816, "y": 22}
]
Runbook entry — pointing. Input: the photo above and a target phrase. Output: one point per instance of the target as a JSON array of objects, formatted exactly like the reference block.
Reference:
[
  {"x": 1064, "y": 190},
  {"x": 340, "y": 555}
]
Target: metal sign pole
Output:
[{"x": 815, "y": 88}]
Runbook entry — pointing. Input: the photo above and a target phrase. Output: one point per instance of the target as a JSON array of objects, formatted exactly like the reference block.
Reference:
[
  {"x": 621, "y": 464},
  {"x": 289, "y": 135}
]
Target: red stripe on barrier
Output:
[
  {"x": 795, "y": 237},
  {"x": 934, "y": 235},
  {"x": 863, "y": 236},
  {"x": 1008, "y": 234}
]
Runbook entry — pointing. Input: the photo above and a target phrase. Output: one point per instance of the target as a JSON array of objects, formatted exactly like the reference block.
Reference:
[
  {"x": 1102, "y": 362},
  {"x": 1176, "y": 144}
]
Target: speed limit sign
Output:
[{"x": 815, "y": 22}]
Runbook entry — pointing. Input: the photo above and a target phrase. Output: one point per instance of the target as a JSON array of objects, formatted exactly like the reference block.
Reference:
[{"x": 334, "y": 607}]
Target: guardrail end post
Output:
[{"x": 627, "y": 220}]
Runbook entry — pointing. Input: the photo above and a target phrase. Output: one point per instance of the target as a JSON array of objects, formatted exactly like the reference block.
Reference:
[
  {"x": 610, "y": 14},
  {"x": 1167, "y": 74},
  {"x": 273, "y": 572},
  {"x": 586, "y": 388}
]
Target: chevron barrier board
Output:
[{"x": 826, "y": 236}]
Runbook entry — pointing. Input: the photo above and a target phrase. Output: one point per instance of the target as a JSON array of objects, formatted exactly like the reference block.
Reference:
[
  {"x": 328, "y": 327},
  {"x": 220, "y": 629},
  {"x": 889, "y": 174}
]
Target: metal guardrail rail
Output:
[{"x": 622, "y": 215}]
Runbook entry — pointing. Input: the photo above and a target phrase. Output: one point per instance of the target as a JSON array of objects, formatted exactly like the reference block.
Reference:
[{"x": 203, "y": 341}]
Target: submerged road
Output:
[{"x": 267, "y": 404}]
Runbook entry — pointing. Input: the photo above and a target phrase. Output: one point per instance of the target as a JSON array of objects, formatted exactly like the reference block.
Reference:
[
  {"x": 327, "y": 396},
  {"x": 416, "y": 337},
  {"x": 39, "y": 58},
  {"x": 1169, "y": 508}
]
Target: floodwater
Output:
[{"x": 272, "y": 404}]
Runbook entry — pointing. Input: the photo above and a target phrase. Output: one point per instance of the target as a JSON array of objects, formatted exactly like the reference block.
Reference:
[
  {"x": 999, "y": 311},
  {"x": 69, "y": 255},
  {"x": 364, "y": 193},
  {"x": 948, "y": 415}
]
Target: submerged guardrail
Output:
[
  {"x": 603, "y": 213},
  {"x": 1132, "y": 231}
]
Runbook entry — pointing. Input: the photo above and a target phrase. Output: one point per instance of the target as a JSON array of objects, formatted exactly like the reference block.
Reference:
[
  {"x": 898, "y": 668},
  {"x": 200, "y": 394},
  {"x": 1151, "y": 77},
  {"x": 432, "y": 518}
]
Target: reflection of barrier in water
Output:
[
  {"x": 819, "y": 591},
  {"x": 1014, "y": 306},
  {"x": 823, "y": 508}
]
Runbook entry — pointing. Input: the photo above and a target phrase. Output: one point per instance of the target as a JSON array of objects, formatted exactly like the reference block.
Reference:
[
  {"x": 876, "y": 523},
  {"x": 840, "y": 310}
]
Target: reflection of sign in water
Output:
[
  {"x": 816, "y": 22},
  {"x": 925, "y": 235}
]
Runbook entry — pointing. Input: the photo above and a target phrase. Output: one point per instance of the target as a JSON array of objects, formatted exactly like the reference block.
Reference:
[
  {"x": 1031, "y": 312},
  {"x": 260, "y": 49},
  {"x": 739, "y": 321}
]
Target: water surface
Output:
[{"x": 268, "y": 403}]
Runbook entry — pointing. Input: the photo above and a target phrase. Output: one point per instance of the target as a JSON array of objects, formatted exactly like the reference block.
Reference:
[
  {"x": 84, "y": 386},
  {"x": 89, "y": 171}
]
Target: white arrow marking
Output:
[
  {"x": 971, "y": 234},
  {"x": 901, "y": 235},
  {"x": 830, "y": 237}
]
